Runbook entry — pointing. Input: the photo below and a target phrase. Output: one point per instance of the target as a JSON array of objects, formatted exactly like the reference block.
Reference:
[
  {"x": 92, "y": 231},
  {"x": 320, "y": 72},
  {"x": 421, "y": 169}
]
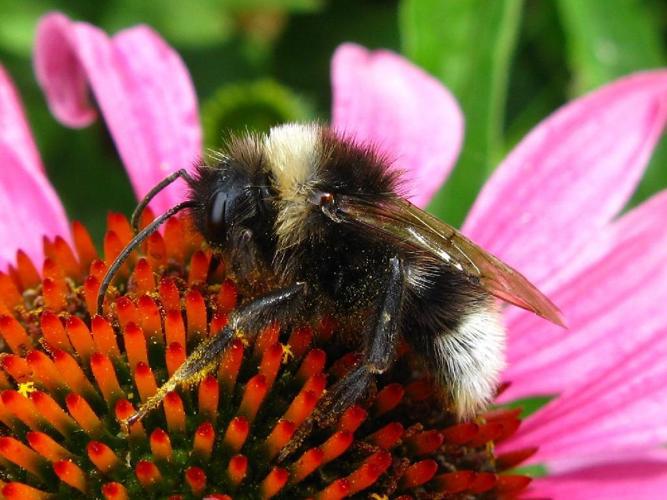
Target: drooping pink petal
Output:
[
  {"x": 29, "y": 206},
  {"x": 570, "y": 176},
  {"x": 382, "y": 99},
  {"x": 646, "y": 479},
  {"x": 14, "y": 128},
  {"x": 142, "y": 88},
  {"x": 612, "y": 304},
  {"x": 616, "y": 410}
]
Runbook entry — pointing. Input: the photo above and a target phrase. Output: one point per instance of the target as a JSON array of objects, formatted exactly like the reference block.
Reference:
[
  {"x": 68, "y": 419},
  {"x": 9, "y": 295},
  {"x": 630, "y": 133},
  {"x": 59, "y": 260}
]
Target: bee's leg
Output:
[
  {"x": 196, "y": 367},
  {"x": 378, "y": 356},
  {"x": 247, "y": 319}
]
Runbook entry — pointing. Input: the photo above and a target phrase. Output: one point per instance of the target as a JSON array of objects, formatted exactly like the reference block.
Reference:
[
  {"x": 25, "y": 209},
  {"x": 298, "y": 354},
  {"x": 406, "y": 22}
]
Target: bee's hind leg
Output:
[
  {"x": 247, "y": 319},
  {"x": 378, "y": 356}
]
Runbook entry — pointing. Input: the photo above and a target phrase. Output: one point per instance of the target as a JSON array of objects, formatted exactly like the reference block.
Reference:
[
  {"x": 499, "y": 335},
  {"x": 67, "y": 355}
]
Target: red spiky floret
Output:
[{"x": 69, "y": 378}]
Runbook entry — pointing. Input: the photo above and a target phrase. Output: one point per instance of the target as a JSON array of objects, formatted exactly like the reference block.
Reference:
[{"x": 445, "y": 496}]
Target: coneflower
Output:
[
  {"x": 71, "y": 377},
  {"x": 549, "y": 209}
]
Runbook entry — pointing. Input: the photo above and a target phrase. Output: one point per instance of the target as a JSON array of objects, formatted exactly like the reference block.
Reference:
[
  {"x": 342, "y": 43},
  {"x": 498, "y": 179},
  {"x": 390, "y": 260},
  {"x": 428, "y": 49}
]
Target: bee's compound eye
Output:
[{"x": 216, "y": 221}]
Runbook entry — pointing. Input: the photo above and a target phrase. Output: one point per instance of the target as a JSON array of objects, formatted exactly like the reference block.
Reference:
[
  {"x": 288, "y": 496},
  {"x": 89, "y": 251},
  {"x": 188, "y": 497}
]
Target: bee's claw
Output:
[{"x": 295, "y": 442}]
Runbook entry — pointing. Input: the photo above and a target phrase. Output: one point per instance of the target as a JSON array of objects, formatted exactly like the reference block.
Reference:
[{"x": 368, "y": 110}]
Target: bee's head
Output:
[{"x": 232, "y": 199}]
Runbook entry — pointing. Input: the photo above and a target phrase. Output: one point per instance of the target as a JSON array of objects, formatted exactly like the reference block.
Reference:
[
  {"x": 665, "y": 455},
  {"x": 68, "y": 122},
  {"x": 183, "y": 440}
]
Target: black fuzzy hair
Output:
[
  {"x": 239, "y": 167},
  {"x": 350, "y": 167}
]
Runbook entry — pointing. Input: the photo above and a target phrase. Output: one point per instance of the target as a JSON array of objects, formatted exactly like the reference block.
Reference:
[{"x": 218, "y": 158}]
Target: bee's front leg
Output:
[
  {"x": 247, "y": 319},
  {"x": 378, "y": 356}
]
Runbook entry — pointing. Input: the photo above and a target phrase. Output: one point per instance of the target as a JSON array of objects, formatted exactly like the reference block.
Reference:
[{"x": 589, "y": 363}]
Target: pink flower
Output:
[{"x": 550, "y": 210}]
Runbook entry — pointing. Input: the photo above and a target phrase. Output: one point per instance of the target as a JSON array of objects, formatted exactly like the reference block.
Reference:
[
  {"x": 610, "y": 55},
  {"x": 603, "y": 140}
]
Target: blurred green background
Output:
[{"x": 256, "y": 62}]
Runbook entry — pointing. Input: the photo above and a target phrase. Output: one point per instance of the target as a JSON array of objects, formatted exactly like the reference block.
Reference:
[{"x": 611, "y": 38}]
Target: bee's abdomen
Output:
[{"x": 454, "y": 325}]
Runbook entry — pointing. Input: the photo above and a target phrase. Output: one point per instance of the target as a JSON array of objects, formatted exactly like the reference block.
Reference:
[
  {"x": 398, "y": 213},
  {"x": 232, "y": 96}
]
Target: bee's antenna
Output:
[
  {"x": 134, "y": 243},
  {"x": 136, "y": 215}
]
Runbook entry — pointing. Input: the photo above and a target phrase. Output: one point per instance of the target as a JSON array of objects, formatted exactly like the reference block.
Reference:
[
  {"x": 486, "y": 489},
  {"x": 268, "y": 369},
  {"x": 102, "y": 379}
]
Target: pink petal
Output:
[
  {"x": 613, "y": 303},
  {"x": 382, "y": 99},
  {"x": 14, "y": 128},
  {"x": 142, "y": 88},
  {"x": 573, "y": 464},
  {"x": 570, "y": 176},
  {"x": 622, "y": 481},
  {"x": 618, "y": 409},
  {"x": 30, "y": 206}
]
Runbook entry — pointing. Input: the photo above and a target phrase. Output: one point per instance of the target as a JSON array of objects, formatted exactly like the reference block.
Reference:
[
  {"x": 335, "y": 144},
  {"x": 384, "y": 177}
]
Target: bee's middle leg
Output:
[{"x": 378, "y": 356}]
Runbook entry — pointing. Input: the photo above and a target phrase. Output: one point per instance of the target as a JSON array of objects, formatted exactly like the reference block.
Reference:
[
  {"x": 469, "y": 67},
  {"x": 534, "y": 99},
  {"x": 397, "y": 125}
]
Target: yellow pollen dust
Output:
[
  {"x": 287, "y": 353},
  {"x": 377, "y": 496},
  {"x": 242, "y": 337},
  {"x": 26, "y": 388}
]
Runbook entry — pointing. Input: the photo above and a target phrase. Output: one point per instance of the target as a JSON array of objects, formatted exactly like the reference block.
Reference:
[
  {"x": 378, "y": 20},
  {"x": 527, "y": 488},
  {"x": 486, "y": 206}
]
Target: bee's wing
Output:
[{"x": 407, "y": 225}]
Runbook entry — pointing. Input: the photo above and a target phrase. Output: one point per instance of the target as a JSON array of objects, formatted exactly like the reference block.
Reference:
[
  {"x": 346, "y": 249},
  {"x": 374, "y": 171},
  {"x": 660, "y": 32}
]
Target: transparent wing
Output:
[{"x": 405, "y": 224}]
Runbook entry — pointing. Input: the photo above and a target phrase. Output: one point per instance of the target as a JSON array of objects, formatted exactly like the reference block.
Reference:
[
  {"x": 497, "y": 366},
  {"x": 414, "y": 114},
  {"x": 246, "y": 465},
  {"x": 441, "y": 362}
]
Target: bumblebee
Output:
[{"x": 325, "y": 214}]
